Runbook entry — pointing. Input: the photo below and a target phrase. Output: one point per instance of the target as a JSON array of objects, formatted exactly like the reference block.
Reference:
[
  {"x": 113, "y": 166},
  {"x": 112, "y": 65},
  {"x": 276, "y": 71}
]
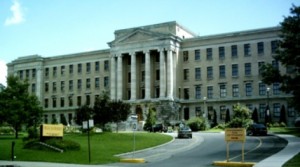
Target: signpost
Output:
[
  {"x": 134, "y": 128},
  {"x": 87, "y": 125},
  {"x": 235, "y": 135}
]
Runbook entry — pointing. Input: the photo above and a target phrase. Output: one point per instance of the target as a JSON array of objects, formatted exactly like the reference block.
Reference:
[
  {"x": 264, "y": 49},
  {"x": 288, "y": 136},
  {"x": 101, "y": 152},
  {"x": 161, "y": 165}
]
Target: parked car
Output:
[
  {"x": 158, "y": 128},
  {"x": 257, "y": 129},
  {"x": 185, "y": 132}
]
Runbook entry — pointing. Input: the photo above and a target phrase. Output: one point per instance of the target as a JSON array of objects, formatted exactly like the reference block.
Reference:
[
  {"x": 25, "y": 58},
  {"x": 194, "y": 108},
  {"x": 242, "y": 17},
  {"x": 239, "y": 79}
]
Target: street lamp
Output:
[
  {"x": 204, "y": 106},
  {"x": 267, "y": 111},
  {"x": 268, "y": 91}
]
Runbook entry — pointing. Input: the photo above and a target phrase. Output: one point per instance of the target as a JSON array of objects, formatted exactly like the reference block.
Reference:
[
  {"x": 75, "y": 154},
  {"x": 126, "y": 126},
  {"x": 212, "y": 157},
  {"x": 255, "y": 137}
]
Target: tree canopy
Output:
[
  {"x": 288, "y": 54},
  {"x": 17, "y": 106}
]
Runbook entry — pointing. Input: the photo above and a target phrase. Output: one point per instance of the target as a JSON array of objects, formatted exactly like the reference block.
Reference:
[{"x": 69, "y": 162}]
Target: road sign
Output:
[{"x": 235, "y": 134}]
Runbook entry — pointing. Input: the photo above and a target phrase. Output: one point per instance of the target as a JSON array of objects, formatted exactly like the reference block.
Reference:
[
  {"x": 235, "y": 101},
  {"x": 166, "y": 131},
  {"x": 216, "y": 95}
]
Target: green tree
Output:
[
  {"x": 18, "y": 107},
  {"x": 83, "y": 113},
  {"x": 254, "y": 116},
  {"x": 102, "y": 111},
  {"x": 227, "y": 118},
  {"x": 288, "y": 55},
  {"x": 151, "y": 119},
  {"x": 63, "y": 120},
  {"x": 241, "y": 117},
  {"x": 119, "y": 111},
  {"x": 282, "y": 118}
]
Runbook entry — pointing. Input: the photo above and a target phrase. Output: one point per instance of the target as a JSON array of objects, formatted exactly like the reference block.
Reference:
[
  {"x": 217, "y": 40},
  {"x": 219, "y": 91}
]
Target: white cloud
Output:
[
  {"x": 3, "y": 72},
  {"x": 17, "y": 15}
]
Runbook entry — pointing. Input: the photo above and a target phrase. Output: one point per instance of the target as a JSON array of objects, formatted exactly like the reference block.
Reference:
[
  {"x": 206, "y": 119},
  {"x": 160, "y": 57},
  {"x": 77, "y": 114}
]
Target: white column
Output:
[
  {"x": 147, "y": 75},
  {"x": 162, "y": 68},
  {"x": 170, "y": 74},
  {"x": 120, "y": 78},
  {"x": 133, "y": 76},
  {"x": 113, "y": 78}
]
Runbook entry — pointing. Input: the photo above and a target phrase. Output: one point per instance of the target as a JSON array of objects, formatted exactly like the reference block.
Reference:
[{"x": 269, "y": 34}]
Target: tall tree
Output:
[
  {"x": 83, "y": 113},
  {"x": 18, "y": 107},
  {"x": 227, "y": 117},
  {"x": 282, "y": 118},
  {"x": 254, "y": 116},
  {"x": 102, "y": 111},
  {"x": 151, "y": 119},
  {"x": 288, "y": 55}
]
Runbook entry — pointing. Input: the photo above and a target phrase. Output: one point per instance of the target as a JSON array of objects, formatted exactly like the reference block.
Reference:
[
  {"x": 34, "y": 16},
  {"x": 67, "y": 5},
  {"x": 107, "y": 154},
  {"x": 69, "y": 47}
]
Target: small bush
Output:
[
  {"x": 32, "y": 133},
  {"x": 197, "y": 123},
  {"x": 6, "y": 130}
]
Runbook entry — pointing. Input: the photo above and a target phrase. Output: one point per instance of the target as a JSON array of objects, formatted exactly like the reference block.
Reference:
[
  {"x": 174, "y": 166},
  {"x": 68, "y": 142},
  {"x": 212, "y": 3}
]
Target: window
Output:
[
  {"x": 291, "y": 111},
  {"x": 209, "y": 92},
  {"x": 46, "y": 103},
  {"x": 248, "y": 88},
  {"x": 235, "y": 70},
  {"x": 262, "y": 110},
  {"x": 209, "y": 53},
  {"x": 186, "y": 74},
  {"x": 88, "y": 83},
  {"x": 88, "y": 99},
  {"x": 33, "y": 74},
  {"x": 27, "y": 74},
  {"x": 70, "y": 101},
  {"x": 185, "y": 56},
  {"x": 198, "y": 92},
  {"x": 198, "y": 111},
  {"x": 70, "y": 117},
  {"x": 54, "y": 72},
  {"x": 197, "y": 73},
  {"x": 234, "y": 52},
  {"x": 33, "y": 88},
  {"x": 275, "y": 64},
  {"x": 186, "y": 113},
  {"x": 47, "y": 72},
  {"x": 97, "y": 66},
  {"x": 247, "y": 50},
  {"x": 222, "y": 72},
  {"x": 46, "y": 87},
  {"x": 247, "y": 69},
  {"x": 62, "y": 102},
  {"x": 62, "y": 86},
  {"x": 250, "y": 106},
  {"x": 21, "y": 74},
  {"x": 79, "y": 84},
  {"x": 54, "y": 87},
  {"x": 143, "y": 76},
  {"x": 54, "y": 102},
  {"x": 276, "y": 88},
  {"x": 223, "y": 91},
  {"x": 106, "y": 82},
  {"x": 197, "y": 54},
  {"x": 262, "y": 89},
  {"x": 88, "y": 67},
  {"x": 210, "y": 72},
  {"x": 235, "y": 90},
  {"x": 157, "y": 75},
  {"x": 186, "y": 93},
  {"x": 97, "y": 83},
  {"x": 260, "y": 48},
  {"x": 274, "y": 46},
  {"x": 222, "y": 112},
  {"x": 276, "y": 109},
  {"x": 129, "y": 77},
  {"x": 260, "y": 65},
  {"x": 62, "y": 70},
  {"x": 70, "y": 85},
  {"x": 71, "y": 69},
  {"x": 78, "y": 100},
  {"x": 221, "y": 53},
  {"x": 157, "y": 92},
  {"x": 79, "y": 68},
  {"x": 106, "y": 65},
  {"x": 129, "y": 61}
]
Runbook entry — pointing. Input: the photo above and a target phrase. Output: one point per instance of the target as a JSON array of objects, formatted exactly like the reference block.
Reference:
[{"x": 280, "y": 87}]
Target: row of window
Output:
[
  {"x": 29, "y": 73},
  {"x": 234, "y": 51},
  {"x": 88, "y": 84},
  {"x": 262, "y": 91},
  {"x": 71, "y": 69},
  {"x": 68, "y": 101}
]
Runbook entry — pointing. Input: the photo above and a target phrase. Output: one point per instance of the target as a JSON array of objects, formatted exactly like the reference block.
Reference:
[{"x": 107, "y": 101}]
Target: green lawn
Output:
[{"x": 103, "y": 147}]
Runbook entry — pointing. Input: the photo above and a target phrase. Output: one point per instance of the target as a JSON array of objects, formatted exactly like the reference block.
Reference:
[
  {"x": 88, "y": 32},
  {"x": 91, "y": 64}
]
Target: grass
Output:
[
  {"x": 104, "y": 147},
  {"x": 294, "y": 162},
  {"x": 286, "y": 130}
]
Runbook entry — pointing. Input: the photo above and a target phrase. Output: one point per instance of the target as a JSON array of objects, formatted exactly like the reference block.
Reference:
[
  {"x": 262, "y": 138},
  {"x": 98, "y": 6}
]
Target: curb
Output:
[
  {"x": 239, "y": 164},
  {"x": 133, "y": 160}
]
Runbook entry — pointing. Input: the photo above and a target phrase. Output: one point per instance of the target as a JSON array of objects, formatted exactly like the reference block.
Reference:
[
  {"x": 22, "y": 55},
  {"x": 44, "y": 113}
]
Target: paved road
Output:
[{"x": 207, "y": 148}]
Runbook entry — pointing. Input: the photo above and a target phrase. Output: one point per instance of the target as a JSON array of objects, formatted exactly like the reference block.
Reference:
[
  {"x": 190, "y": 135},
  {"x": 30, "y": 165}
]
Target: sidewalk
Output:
[{"x": 278, "y": 159}]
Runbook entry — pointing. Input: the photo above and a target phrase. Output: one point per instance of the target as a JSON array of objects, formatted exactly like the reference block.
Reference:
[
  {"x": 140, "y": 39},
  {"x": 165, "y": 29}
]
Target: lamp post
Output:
[
  {"x": 268, "y": 107},
  {"x": 204, "y": 106}
]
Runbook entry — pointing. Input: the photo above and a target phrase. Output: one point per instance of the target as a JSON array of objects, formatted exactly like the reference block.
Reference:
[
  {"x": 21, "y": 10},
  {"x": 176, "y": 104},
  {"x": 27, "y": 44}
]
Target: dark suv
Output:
[
  {"x": 257, "y": 129},
  {"x": 158, "y": 128}
]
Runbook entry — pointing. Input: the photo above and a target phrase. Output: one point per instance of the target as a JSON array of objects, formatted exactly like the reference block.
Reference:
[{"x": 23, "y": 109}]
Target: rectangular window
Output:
[
  {"x": 210, "y": 72},
  {"x": 54, "y": 102},
  {"x": 106, "y": 65},
  {"x": 235, "y": 90},
  {"x": 88, "y": 67},
  {"x": 97, "y": 66},
  {"x": 54, "y": 72},
  {"x": 46, "y": 87},
  {"x": 47, "y": 72},
  {"x": 210, "y": 92},
  {"x": 221, "y": 52},
  {"x": 185, "y": 56},
  {"x": 70, "y": 85},
  {"x": 235, "y": 70},
  {"x": 248, "y": 88},
  {"x": 275, "y": 64},
  {"x": 291, "y": 111},
  {"x": 198, "y": 92},
  {"x": 198, "y": 111},
  {"x": 262, "y": 89},
  {"x": 186, "y": 74},
  {"x": 70, "y": 101},
  {"x": 97, "y": 83},
  {"x": 62, "y": 70},
  {"x": 129, "y": 77},
  {"x": 157, "y": 75},
  {"x": 262, "y": 110},
  {"x": 62, "y": 86},
  {"x": 33, "y": 88},
  {"x": 143, "y": 76},
  {"x": 197, "y": 73},
  {"x": 27, "y": 74},
  {"x": 276, "y": 109},
  {"x": 79, "y": 84},
  {"x": 62, "y": 102},
  {"x": 46, "y": 103},
  {"x": 88, "y": 99},
  {"x": 247, "y": 69},
  {"x": 79, "y": 68},
  {"x": 197, "y": 55},
  {"x": 223, "y": 91},
  {"x": 106, "y": 82},
  {"x": 209, "y": 53},
  {"x": 276, "y": 88},
  {"x": 260, "y": 65},
  {"x": 222, "y": 71},
  {"x": 247, "y": 50},
  {"x": 71, "y": 69},
  {"x": 186, "y": 93},
  {"x": 78, "y": 100},
  {"x": 260, "y": 48},
  {"x": 234, "y": 51},
  {"x": 33, "y": 74},
  {"x": 88, "y": 83},
  {"x": 54, "y": 87},
  {"x": 222, "y": 112},
  {"x": 274, "y": 46}
]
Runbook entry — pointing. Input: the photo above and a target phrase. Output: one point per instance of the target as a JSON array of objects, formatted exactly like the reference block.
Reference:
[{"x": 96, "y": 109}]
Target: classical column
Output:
[
  {"x": 113, "y": 77},
  {"x": 170, "y": 74},
  {"x": 133, "y": 76},
  {"x": 162, "y": 68},
  {"x": 120, "y": 78},
  {"x": 147, "y": 75}
]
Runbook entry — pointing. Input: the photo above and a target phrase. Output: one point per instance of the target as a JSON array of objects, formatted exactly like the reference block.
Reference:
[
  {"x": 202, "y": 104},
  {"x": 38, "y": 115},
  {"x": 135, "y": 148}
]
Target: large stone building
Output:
[{"x": 163, "y": 66}]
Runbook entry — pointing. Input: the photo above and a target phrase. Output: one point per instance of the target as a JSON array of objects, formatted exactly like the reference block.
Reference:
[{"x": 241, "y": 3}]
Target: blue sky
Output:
[{"x": 57, "y": 27}]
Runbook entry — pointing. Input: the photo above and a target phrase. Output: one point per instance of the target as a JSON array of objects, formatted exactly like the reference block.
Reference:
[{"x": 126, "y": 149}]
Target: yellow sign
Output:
[
  {"x": 52, "y": 130},
  {"x": 235, "y": 134}
]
